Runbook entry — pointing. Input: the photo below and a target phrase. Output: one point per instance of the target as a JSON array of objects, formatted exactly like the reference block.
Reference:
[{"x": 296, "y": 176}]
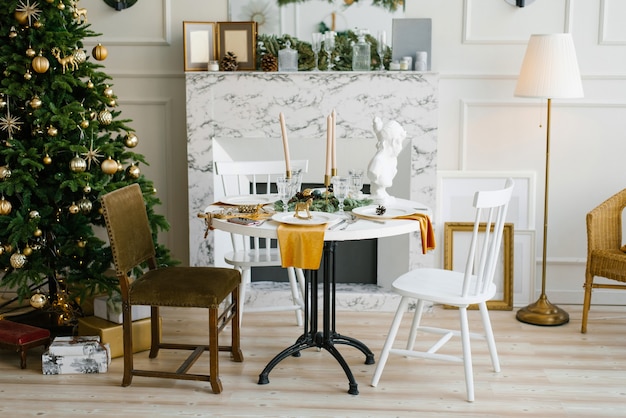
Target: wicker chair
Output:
[{"x": 605, "y": 258}]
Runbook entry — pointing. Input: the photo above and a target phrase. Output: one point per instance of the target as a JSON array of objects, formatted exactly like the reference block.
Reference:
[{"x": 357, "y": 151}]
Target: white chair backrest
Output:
[
  {"x": 484, "y": 251},
  {"x": 244, "y": 177}
]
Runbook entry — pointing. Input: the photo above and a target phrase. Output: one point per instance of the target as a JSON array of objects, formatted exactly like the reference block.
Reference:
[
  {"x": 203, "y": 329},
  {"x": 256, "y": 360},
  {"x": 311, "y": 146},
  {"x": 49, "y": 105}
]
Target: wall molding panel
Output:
[{"x": 612, "y": 28}]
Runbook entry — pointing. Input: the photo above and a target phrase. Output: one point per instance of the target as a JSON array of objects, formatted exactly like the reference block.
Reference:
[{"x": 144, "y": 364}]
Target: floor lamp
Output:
[{"x": 549, "y": 71}]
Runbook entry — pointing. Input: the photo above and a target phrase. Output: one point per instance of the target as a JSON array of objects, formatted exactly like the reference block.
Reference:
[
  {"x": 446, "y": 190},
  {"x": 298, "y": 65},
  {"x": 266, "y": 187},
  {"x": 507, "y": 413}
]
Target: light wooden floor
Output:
[{"x": 546, "y": 371}]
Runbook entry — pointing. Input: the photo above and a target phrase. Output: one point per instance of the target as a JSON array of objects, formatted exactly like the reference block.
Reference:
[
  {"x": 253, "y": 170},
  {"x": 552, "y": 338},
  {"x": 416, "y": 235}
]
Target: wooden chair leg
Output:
[
  {"x": 214, "y": 377},
  {"x": 22, "y": 358},
  {"x": 127, "y": 337},
  {"x": 236, "y": 353},
  {"x": 155, "y": 335},
  {"x": 587, "y": 303}
]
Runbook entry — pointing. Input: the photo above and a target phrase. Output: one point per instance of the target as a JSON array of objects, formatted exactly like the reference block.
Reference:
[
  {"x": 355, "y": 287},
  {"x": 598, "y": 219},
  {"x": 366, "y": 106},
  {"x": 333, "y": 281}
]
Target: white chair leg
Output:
[
  {"x": 467, "y": 354},
  {"x": 393, "y": 331},
  {"x": 491, "y": 342},
  {"x": 417, "y": 318},
  {"x": 295, "y": 294},
  {"x": 245, "y": 281}
]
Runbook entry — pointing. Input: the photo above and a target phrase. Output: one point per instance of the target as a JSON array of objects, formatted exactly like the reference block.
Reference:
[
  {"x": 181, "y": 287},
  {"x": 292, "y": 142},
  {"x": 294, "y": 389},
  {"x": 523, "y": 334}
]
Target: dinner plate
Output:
[
  {"x": 252, "y": 199},
  {"x": 391, "y": 212},
  {"x": 318, "y": 218}
]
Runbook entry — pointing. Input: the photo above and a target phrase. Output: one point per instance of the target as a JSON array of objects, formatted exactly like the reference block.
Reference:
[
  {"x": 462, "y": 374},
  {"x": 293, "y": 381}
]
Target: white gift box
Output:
[
  {"x": 93, "y": 361},
  {"x": 111, "y": 309},
  {"x": 74, "y": 346}
]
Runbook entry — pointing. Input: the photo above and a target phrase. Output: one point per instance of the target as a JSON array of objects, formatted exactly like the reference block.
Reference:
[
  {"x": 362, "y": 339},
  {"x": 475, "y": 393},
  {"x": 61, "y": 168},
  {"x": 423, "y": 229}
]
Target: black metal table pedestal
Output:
[{"x": 328, "y": 337}]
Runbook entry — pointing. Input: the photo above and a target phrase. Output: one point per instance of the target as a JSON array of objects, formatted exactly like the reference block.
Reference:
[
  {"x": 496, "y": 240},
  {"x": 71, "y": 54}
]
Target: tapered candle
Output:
[
  {"x": 334, "y": 146},
  {"x": 329, "y": 144},
  {"x": 283, "y": 129}
]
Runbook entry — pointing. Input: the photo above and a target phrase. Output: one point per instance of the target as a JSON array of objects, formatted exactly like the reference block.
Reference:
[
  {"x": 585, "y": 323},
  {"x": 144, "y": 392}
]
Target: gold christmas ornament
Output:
[
  {"x": 33, "y": 214},
  {"x": 85, "y": 205},
  {"x": 1, "y": 249},
  {"x": 40, "y": 64},
  {"x": 61, "y": 6},
  {"x": 100, "y": 52},
  {"x": 84, "y": 124},
  {"x": 87, "y": 189},
  {"x": 37, "y": 24},
  {"x": 120, "y": 167},
  {"x": 28, "y": 75},
  {"x": 78, "y": 164},
  {"x": 74, "y": 209},
  {"x": 108, "y": 92},
  {"x": 81, "y": 243},
  {"x": 5, "y": 206},
  {"x": 52, "y": 131},
  {"x": 8, "y": 248},
  {"x": 38, "y": 300},
  {"x": 109, "y": 166},
  {"x": 133, "y": 172},
  {"x": 21, "y": 17},
  {"x": 90, "y": 85},
  {"x": 5, "y": 172},
  {"x": 80, "y": 55},
  {"x": 17, "y": 260},
  {"x": 47, "y": 160},
  {"x": 38, "y": 232},
  {"x": 131, "y": 140},
  {"x": 105, "y": 117},
  {"x": 35, "y": 102},
  {"x": 112, "y": 102},
  {"x": 27, "y": 251},
  {"x": 3, "y": 103},
  {"x": 30, "y": 52}
]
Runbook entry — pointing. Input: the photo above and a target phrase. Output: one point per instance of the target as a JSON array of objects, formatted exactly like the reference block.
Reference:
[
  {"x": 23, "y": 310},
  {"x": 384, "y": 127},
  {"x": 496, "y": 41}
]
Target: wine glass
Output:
[
  {"x": 341, "y": 187},
  {"x": 316, "y": 46},
  {"x": 285, "y": 191},
  {"x": 356, "y": 182},
  {"x": 329, "y": 46},
  {"x": 380, "y": 49}
]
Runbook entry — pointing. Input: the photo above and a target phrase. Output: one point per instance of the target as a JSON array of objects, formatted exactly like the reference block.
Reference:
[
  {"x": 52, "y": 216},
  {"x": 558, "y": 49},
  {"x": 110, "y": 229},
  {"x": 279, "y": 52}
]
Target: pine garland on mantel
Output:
[{"x": 391, "y": 5}]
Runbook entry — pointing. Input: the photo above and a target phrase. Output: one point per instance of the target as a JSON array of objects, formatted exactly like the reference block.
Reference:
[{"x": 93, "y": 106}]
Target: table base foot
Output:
[{"x": 353, "y": 342}]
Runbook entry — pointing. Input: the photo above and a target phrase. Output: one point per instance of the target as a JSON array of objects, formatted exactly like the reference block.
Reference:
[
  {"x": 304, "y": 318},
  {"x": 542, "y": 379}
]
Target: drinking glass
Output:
[
  {"x": 329, "y": 46},
  {"x": 380, "y": 49},
  {"x": 285, "y": 191},
  {"x": 316, "y": 45},
  {"x": 341, "y": 187},
  {"x": 296, "y": 180},
  {"x": 356, "y": 182}
]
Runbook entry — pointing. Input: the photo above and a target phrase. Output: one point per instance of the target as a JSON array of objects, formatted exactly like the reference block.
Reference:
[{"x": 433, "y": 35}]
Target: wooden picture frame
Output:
[
  {"x": 199, "y": 45},
  {"x": 457, "y": 237},
  {"x": 240, "y": 39}
]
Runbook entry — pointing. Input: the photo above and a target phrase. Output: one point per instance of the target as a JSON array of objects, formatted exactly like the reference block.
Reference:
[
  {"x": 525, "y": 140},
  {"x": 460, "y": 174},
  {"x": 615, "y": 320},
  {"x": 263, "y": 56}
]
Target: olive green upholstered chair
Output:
[{"x": 216, "y": 289}]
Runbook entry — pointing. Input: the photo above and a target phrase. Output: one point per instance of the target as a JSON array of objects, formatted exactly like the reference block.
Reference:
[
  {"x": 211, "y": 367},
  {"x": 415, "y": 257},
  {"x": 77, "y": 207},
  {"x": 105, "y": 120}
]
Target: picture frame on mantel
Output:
[
  {"x": 457, "y": 239},
  {"x": 240, "y": 39},
  {"x": 198, "y": 44}
]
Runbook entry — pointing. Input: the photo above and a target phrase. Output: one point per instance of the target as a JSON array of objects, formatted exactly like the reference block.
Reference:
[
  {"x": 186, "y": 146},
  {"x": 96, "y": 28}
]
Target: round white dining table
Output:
[{"x": 327, "y": 337}]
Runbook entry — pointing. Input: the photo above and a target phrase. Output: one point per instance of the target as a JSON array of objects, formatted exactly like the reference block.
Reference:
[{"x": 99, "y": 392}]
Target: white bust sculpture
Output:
[{"x": 384, "y": 165}]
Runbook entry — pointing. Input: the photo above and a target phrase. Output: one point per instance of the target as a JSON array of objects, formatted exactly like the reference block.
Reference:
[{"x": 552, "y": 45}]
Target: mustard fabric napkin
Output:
[
  {"x": 426, "y": 229},
  {"x": 301, "y": 246}
]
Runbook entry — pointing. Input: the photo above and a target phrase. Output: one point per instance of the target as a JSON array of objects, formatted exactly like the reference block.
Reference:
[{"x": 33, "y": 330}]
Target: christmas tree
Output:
[{"x": 62, "y": 146}]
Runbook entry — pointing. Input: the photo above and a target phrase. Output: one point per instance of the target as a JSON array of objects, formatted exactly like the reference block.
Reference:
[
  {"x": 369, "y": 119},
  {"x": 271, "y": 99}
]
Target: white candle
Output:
[
  {"x": 334, "y": 147},
  {"x": 329, "y": 144},
  {"x": 283, "y": 129}
]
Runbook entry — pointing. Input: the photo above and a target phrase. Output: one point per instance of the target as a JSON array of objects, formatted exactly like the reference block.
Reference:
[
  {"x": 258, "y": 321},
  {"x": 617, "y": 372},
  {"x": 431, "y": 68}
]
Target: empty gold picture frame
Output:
[
  {"x": 457, "y": 237},
  {"x": 240, "y": 39},
  {"x": 199, "y": 44}
]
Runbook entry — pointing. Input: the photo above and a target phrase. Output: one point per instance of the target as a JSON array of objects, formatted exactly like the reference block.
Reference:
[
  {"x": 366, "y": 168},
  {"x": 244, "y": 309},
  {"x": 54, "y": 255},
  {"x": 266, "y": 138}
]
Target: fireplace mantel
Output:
[{"x": 243, "y": 107}]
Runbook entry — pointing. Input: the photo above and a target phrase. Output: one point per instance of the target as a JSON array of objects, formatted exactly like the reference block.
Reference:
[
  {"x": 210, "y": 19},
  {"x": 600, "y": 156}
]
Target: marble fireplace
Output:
[{"x": 235, "y": 116}]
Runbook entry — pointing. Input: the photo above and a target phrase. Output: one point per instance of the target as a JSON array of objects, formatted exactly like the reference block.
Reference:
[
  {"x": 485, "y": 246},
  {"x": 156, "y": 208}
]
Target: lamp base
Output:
[{"x": 542, "y": 312}]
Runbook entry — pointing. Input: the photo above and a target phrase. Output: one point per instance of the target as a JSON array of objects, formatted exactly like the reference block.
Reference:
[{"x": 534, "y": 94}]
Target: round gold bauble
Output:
[
  {"x": 74, "y": 209},
  {"x": 87, "y": 189},
  {"x": 33, "y": 214},
  {"x": 37, "y": 24},
  {"x": 35, "y": 102},
  {"x": 112, "y": 102},
  {"x": 131, "y": 140},
  {"x": 78, "y": 164},
  {"x": 84, "y": 124},
  {"x": 80, "y": 56},
  {"x": 38, "y": 300},
  {"x": 21, "y": 17},
  {"x": 133, "y": 172},
  {"x": 109, "y": 166},
  {"x": 81, "y": 243},
  {"x": 105, "y": 117},
  {"x": 108, "y": 92},
  {"x": 61, "y": 6},
  {"x": 5, "y": 206},
  {"x": 3, "y": 103},
  {"x": 38, "y": 232},
  {"x": 47, "y": 160},
  {"x": 120, "y": 167},
  {"x": 1, "y": 249},
  {"x": 90, "y": 84},
  {"x": 93, "y": 115},
  {"x": 28, "y": 75},
  {"x": 40, "y": 64},
  {"x": 17, "y": 260},
  {"x": 99, "y": 52},
  {"x": 52, "y": 131},
  {"x": 5, "y": 172},
  {"x": 27, "y": 251},
  {"x": 85, "y": 205},
  {"x": 30, "y": 52},
  {"x": 8, "y": 248}
]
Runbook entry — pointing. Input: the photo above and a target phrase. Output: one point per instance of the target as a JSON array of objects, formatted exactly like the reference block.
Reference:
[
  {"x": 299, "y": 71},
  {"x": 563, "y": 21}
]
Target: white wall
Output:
[{"x": 478, "y": 46}]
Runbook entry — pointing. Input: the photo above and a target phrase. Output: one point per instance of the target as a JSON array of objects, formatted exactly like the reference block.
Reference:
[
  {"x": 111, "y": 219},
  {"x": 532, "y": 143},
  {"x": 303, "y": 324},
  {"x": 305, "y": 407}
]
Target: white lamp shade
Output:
[{"x": 550, "y": 68}]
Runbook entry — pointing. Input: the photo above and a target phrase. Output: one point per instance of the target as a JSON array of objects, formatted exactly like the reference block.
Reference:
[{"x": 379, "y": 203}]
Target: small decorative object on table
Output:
[{"x": 380, "y": 210}]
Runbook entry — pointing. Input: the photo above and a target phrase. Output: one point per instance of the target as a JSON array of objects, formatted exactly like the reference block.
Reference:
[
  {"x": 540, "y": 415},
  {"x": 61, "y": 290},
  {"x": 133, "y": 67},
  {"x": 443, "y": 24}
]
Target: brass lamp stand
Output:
[
  {"x": 549, "y": 70},
  {"x": 542, "y": 312}
]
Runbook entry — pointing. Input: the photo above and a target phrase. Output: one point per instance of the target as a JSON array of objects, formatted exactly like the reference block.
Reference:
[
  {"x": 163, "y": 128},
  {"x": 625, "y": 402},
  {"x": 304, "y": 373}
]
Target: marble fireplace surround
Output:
[{"x": 235, "y": 116}]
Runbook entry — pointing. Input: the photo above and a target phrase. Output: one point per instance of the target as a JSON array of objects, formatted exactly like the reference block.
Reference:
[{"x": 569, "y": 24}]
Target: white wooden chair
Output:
[
  {"x": 256, "y": 177},
  {"x": 461, "y": 289}
]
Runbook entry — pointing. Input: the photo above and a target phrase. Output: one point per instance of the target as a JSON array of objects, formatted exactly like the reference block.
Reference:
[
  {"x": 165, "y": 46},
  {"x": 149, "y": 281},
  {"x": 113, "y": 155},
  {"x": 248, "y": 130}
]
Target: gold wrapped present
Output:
[{"x": 112, "y": 334}]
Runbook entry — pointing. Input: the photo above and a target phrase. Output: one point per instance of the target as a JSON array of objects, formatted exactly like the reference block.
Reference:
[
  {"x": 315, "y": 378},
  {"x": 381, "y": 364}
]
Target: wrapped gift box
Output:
[
  {"x": 112, "y": 333},
  {"x": 94, "y": 358},
  {"x": 110, "y": 308},
  {"x": 73, "y": 346}
]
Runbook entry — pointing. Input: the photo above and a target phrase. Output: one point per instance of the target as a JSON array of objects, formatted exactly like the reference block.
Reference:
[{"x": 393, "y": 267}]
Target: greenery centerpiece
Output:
[{"x": 322, "y": 201}]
